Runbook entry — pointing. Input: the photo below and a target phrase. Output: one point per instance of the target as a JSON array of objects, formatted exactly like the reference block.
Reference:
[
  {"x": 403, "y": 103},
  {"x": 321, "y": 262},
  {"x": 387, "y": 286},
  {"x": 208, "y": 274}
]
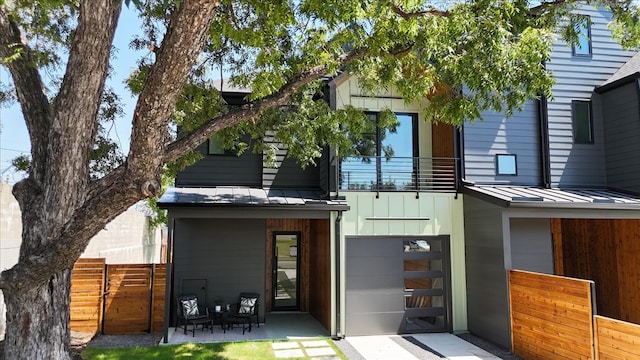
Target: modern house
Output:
[
  {"x": 383, "y": 244},
  {"x": 556, "y": 188},
  {"x": 367, "y": 245}
]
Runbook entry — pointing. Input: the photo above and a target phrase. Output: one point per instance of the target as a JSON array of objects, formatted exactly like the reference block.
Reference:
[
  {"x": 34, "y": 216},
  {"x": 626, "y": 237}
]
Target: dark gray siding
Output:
[
  {"x": 288, "y": 173},
  {"x": 531, "y": 247},
  {"x": 621, "y": 113},
  {"x": 576, "y": 77},
  {"x": 228, "y": 253},
  {"x": 519, "y": 135},
  {"x": 223, "y": 170},
  {"x": 487, "y": 296}
]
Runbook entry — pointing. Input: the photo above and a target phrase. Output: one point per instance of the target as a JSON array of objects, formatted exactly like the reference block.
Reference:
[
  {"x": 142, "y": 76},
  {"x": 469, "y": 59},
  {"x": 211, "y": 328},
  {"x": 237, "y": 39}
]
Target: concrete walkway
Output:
[{"x": 447, "y": 345}]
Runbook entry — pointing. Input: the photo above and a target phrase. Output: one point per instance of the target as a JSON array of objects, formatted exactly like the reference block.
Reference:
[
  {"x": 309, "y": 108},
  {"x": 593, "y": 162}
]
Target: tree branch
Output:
[
  {"x": 186, "y": 36},
  {"x": 60, "y": 253},
  {"x": 250, "y": 111},
  {"x": 29, "y": 87},
  {"x": 408, "y": 15}
]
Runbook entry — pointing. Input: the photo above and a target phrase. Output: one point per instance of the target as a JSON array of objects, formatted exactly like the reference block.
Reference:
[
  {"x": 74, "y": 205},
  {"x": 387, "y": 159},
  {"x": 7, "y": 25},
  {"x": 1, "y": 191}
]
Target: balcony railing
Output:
[{"x": 398, "y": 174}]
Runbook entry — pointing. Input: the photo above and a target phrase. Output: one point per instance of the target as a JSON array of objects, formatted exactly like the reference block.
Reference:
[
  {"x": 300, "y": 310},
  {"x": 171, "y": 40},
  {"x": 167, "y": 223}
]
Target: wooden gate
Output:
[{"x": 127, "y": 299}]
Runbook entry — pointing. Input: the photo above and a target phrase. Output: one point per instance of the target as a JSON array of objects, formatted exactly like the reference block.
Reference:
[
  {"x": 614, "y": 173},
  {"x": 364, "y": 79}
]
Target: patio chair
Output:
[
  {"x": 189, "y": 313},
  {"x": 246, "y": 309}
]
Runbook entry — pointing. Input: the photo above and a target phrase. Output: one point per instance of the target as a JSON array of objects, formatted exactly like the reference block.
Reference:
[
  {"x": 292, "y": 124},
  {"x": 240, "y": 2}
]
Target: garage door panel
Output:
[
  {"x": 391, "y": 290},
  {"x": 374, "y": 284},
  {"x": 380, "y": 303},
  {"x": 379, "y": 323},
  {"x": 375, "y": 247},
  {"x": 374, "y": 265}
]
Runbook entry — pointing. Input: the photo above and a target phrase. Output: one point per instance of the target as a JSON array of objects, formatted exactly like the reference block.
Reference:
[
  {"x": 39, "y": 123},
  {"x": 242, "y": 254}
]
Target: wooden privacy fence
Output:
[
  {"x": 616, "y": 339},
  {"x": 552, "y": 317},
  {"x": 87, "y": 287},
  {"x": 117, "y": 298}
]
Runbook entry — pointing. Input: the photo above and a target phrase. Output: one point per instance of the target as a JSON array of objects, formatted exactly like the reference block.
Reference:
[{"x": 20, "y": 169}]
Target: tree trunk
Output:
[{"x": 38, "y": 320}]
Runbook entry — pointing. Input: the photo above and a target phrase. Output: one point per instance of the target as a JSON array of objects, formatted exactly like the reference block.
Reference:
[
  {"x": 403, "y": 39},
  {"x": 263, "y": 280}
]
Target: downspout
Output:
[
  {"x": 545, "y": 160},
  {"x": 339, "y": 334},
  {"x": 168, "y": 280}
]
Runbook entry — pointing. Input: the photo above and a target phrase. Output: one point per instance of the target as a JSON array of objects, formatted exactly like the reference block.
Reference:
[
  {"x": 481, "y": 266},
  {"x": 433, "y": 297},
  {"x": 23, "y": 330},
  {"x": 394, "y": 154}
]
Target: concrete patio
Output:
[{"x": 278, "y": 326}]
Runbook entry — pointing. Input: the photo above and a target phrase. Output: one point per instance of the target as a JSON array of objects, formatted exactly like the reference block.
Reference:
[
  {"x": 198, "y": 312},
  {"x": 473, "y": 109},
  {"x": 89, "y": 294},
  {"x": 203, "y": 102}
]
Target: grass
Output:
[{"x": 249, "y": 350}]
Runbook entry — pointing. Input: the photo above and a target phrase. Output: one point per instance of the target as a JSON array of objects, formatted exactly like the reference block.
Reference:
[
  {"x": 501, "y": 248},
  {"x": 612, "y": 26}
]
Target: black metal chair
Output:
[
  {"x": 245, "y": 310},
  {"x": 189, "y": 313}
]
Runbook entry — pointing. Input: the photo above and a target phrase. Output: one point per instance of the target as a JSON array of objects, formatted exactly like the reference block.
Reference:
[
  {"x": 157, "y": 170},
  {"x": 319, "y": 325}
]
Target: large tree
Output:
[{"x": 465, "y": 56}]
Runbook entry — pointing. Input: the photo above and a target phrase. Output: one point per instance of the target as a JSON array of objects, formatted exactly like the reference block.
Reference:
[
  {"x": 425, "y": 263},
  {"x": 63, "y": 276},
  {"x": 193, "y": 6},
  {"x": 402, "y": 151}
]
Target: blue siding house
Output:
[{"x": 535, "y": 181}]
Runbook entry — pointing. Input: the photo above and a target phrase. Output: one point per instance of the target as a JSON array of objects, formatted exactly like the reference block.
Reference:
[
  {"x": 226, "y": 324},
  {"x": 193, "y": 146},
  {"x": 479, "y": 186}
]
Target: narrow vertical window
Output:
[
  {"x": 582, "y": 122},
  {"x": 583, "y": 45}
]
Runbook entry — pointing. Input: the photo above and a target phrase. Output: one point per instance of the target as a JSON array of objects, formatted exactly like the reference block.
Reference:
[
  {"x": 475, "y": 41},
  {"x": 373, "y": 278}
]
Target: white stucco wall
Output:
[{"x": 126, "y": 240}]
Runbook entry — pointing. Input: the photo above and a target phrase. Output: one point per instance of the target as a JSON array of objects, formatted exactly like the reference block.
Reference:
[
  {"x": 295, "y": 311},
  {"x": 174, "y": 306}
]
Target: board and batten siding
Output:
[
  {"x": 576, "y": 77},
  {"x": 398, "y": 214},
  {"x": 622, "y": 136},
  {"x": 222, "y": 170},
  {"x": 496, "y": 134},
  {"x": 228, "y": 253},
  {"x": 487, "y": 293}
]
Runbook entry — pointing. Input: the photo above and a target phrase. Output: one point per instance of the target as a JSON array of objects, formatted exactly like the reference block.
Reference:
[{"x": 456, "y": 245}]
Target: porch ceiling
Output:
[
  {"x": 531, "y": 196},
  {"x": 250, "y": 197}
]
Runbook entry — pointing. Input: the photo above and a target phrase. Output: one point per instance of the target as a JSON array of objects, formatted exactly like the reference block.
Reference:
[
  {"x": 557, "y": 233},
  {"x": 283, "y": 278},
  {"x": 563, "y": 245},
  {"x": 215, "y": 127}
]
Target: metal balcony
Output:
[{"x": 379, "y": 173}]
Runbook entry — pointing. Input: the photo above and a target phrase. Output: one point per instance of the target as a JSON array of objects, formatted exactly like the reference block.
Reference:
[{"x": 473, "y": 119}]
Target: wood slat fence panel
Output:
[
  {"x": 550, "y": 316},
  {"x": 127, "y": 305},
  {"x": 616, "y": 339},
  {"x": 157, "y": 298},
  {"x": 87, "y": 287}
]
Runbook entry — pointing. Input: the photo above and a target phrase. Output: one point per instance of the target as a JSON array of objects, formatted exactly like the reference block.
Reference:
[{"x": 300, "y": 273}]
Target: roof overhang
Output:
[
  {"x": 253, "y": 198},
  {"x": 554, "y": 198}
]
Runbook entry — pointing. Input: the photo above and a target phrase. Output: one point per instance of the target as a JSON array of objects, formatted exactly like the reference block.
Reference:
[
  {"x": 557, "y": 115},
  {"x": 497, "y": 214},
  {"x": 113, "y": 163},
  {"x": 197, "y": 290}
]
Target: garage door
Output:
[{"x": 397, "y": 285}]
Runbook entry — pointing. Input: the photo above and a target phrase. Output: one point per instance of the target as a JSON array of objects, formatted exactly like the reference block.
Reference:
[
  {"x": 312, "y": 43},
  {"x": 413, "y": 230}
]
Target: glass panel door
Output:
[
  {"x": 286, "y": 287},
  {"x": 426, "y": 285}
]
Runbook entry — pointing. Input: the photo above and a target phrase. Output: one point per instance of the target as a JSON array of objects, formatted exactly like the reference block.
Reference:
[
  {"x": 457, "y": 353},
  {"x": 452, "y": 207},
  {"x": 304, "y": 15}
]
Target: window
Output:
[
  {"x": 582, "y": 123},
  {"x": 382, "y": 159},
  {"x": 583, "y": 45},
  {"x": 506, "y": 164},
  {"x": 215, "y": 147}
]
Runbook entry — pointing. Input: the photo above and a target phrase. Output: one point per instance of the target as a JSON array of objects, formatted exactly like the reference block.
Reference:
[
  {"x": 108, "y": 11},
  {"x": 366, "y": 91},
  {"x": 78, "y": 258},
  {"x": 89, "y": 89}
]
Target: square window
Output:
[
  {"x": 506, "y": 164},
  {"x": 583, "y": 45},
  {"x": 582, "y": 123},
  {"x": 215, "y": 147}
]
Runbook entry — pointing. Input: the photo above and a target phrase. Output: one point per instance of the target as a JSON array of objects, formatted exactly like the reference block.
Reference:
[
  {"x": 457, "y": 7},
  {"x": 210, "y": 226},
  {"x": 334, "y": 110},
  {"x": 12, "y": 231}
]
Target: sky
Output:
[{"x": 14, "y": 138}]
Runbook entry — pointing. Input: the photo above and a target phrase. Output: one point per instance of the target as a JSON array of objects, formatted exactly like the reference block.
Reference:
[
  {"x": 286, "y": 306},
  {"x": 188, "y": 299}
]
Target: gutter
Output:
[
  {"x": 168, "y": 281},
  {"x": 545, "y": 159},
  {"x": 338, "y": 335}
]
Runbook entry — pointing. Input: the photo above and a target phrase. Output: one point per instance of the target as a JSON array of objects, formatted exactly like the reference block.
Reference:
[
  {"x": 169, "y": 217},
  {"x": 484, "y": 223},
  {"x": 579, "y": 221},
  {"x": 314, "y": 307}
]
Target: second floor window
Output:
[
  {"x": 382, "y": 159},
  {"x": 582, "y": 122},
  {"x": 583, "y": 46}
]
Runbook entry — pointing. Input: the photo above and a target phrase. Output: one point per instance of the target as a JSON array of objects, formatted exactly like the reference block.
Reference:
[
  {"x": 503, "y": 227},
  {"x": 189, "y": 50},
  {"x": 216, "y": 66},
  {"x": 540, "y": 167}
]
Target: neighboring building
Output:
[
  {"x": 368, "y": 245},
  {"x": 555, "y": 188},
  {"x": 126, "y": 240}
]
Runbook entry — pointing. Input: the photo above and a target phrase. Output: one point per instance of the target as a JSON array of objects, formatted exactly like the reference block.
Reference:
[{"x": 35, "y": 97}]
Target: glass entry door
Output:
[{"x": 286, "y": 284}]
